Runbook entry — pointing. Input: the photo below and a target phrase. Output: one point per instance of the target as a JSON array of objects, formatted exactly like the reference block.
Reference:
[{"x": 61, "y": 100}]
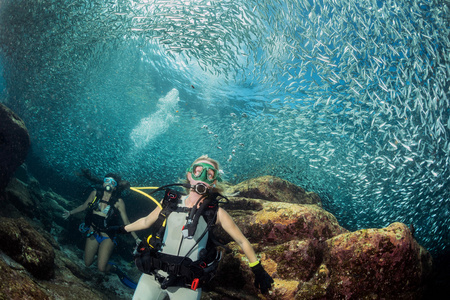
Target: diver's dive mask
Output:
[
  {"x": 204, "y": 172},
  {"x": 110, "y": 183}
]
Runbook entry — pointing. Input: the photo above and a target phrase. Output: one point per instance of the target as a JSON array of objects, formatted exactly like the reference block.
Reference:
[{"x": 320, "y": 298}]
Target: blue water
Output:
[
  {"x": 2, "y": 80},
  {"x": 348, "y": 100}
]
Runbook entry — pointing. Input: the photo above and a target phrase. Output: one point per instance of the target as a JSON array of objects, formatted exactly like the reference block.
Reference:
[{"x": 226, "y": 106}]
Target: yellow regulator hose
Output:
[{"x": 138, "y": 190}]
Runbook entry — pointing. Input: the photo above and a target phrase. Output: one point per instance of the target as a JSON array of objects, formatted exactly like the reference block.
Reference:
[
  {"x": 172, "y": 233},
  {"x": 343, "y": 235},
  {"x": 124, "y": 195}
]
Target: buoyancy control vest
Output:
[
  {"x": 98, "y": 222},
  {"x": 182, "y": 250}
]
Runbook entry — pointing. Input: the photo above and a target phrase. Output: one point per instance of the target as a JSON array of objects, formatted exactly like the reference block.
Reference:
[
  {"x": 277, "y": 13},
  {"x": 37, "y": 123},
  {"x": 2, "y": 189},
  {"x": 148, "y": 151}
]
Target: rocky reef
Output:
[
  {"x": 41, "y": 255},
  {"x": 14, "y": 144},
  {"x": 310, "y": 256},
  {"x": 301, "y": 245}
]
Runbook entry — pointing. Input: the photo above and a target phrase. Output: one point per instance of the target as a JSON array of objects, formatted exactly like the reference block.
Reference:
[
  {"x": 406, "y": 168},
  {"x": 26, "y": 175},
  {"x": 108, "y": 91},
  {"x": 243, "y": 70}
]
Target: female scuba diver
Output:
[
  {"x": 175, "y": 260},
  {"x": 103, "y": 209}
]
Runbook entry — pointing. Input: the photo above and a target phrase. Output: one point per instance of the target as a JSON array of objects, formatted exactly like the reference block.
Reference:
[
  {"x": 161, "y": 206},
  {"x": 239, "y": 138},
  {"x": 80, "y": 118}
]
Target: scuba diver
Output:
[
  {"x": 179, "y": 256},
  {"x": 104, "y": 208}
]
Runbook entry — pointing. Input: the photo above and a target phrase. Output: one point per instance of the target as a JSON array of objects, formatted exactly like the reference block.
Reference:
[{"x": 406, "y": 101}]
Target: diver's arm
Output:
[
  {"x": 82, "y": 207},
  {"x": 145, "y": 222},
  {"x": 263, "y": 280},
  {"x": 120, "y": 205},
  {"x": 227, "y": 223}
]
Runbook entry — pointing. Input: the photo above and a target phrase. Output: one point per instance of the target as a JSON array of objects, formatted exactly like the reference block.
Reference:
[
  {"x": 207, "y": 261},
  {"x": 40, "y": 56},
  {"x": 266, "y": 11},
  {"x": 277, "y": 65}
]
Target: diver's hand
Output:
[
  {"x": 66, "y": 215},
  {"x": 137, "y": 246},
  {"x": 113, "y": 230},
  {"x": 263, "y": 281}
]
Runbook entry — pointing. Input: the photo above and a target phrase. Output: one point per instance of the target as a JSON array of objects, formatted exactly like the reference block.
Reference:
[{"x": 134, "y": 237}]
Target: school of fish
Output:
[{"x": 346, "y": 98}]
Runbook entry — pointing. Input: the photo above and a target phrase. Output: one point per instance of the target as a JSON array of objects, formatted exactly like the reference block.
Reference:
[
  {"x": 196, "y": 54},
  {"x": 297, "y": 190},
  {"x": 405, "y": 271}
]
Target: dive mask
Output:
[
  {"x": 204, "y": 172},
  {"x": 110, "y": 180}
]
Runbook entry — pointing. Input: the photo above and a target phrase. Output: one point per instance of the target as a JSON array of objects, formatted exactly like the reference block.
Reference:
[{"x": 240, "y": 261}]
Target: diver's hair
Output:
[
  {"x": 86, "y": 173},
  {"x": 214, "y": 162}
]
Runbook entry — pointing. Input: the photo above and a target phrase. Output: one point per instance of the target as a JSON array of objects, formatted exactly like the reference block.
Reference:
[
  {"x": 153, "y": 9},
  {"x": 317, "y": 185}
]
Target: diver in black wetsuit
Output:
[{"x": 104, "y": 208}]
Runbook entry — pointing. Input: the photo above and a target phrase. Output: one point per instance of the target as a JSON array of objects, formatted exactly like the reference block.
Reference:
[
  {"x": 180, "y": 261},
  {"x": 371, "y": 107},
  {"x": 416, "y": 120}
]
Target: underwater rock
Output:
[
  {"x": 295, "y": 260},
  {"x": 74, "y": 281},
  {"x": 27, "y": 263},
  {"x": 16, "y": 284},
  {"x": 27, "y": 246},
  {"x": 14, "y": 144},
  {"x": 279, "y": 222},
  {"x": 367, "y": 264},
  {"x": 21, "y": 199},
  {"x": 310, "y": 256},
  {"x": 290, "y": 239},
  {"x": 28, "y": 199},
  {"x": 381, "y": 263},
  {"x": 19, "y": 195},
  {"x": 274, "y": 189}
]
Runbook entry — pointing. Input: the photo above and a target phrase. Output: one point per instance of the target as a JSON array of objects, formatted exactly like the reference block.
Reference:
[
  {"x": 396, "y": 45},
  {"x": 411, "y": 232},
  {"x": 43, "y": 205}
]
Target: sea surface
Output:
[{"x": 349, "y": 99}]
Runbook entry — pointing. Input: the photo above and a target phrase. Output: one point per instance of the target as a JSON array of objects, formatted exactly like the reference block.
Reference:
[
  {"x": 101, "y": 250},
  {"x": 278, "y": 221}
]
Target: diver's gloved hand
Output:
[
  {"x": 113, "y": 230},
  {"x": 137, "y": 246},
  {"x": 263, "y": 281}
]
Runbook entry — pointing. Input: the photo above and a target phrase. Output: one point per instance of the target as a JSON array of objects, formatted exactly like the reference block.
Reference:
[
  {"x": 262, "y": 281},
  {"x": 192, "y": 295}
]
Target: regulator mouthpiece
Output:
[{"x": 200, "y": 188}]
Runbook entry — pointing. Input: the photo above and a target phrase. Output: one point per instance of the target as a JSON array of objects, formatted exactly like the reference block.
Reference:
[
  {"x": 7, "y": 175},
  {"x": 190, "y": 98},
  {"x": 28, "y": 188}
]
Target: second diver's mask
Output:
[
  {"x": 110, "y": 183},
  {"x": 204, "y": 172}
]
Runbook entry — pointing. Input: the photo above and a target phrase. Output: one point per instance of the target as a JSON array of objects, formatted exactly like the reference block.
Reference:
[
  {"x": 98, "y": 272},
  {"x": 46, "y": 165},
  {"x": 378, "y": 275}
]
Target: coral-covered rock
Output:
[
  {"x": 367, "y": 264},
  {"x": 289, "y": 238},
  {"x": 296, "y": 260},
  {"x": 19, "y": 195},
  {"x": 385, "y": 262},
  {"x": 278, "y": 222},
  {"x": 274, "y": 189},
  {"x": 28, "y": 247},
  {"x": 16, "y": 284},
  {"x": 74, "y": 281},
  {"x": 14, "y": 144},
  {"x": 310, "y": 256}
]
